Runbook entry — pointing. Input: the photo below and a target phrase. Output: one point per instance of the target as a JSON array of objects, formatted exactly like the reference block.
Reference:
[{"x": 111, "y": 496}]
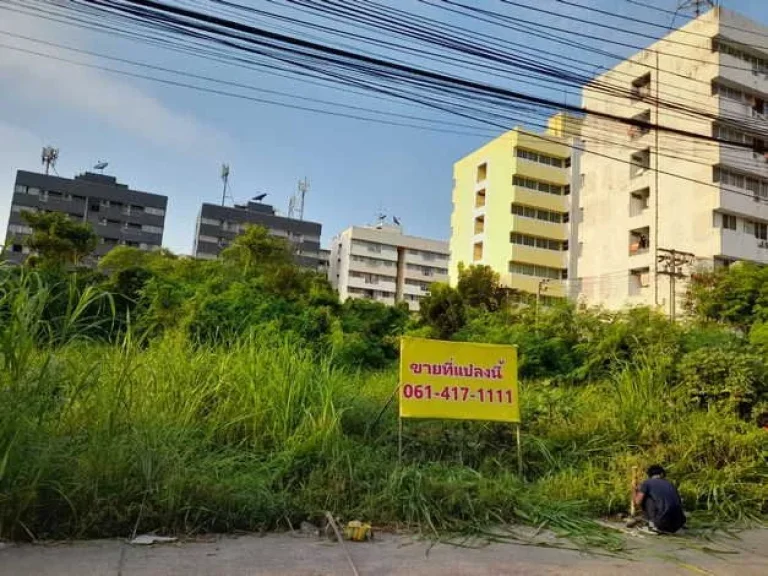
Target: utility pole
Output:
[
  {"x": 671, "y": 264},
  {"x": 542, "y": 287}
]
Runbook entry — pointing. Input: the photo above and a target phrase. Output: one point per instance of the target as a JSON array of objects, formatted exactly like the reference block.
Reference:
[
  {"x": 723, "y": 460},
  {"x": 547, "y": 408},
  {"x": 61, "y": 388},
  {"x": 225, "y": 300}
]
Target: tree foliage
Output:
[{"x": 58, "y": 241}]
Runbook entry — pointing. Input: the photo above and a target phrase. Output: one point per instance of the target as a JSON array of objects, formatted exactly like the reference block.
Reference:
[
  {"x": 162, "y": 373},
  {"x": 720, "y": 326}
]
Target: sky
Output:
[{"x": 172, "y": 141}]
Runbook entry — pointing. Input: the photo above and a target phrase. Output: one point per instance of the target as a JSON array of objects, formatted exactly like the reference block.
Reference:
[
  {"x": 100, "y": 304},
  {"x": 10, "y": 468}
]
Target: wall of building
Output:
[
  {"x": 383, "y": 264},
  {"x": 218, "y": 225},
  {"x": 487, "y": 183},
  {"x": 118, "y": 215},
  {"x": 683, "y": 198}
]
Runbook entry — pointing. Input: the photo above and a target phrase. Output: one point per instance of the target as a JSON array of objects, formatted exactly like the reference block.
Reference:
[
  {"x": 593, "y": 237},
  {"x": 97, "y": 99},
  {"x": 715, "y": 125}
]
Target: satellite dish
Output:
[
  {"x": 101, "y": 166},
  {"x": 260, "y": 197}
]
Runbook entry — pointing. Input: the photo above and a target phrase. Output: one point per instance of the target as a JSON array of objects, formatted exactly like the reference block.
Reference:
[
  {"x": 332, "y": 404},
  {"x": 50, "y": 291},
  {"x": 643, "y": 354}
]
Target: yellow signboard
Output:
[{"x": 459, "y": 380}]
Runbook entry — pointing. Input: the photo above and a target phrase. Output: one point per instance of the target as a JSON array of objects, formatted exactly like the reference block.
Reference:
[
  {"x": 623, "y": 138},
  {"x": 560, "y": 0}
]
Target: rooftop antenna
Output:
[
  {"x": 697, "y": 6},
  {"x": 49, "y": 157},
  {"x": 303, "y": 188},
  {"x": 225, "y": 179},
  {"x": 100, "y": 165}
]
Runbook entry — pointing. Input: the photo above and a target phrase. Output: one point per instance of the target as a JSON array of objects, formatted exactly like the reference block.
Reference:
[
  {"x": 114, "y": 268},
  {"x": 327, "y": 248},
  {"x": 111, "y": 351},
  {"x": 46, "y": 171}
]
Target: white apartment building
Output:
[
  {"x": 383, "y": 264},
  {"x": 645, "y": 192}
]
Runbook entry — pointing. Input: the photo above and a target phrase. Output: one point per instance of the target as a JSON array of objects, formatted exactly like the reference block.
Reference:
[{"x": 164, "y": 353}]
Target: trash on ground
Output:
[
  {"x": 358, "y": 531},
  {"x": 149, "y": 539}
]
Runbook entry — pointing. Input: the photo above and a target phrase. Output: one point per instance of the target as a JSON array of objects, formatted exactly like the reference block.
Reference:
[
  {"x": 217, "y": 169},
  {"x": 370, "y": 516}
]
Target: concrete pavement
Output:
[{"x": 295, "y": 555}]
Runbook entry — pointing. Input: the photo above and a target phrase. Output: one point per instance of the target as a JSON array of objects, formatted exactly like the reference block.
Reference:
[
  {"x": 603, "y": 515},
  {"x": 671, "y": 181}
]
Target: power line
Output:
[
  {"x": 558, "y": 74},
  {"x": 371, "y": 66}
]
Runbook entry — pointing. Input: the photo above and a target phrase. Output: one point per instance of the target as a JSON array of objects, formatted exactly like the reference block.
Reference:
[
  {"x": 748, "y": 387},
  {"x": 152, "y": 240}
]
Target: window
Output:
[
  {"x": 639, "y": 241},
  {"x": 726, "y": 176},
  {"x": 537, "y": 185},
  {"x": 732, "y": 134},
  {"x": 636, "y": 131},
  {"x": 151, "y": 229},
  {"x": 482, "y": 172},
  {"x": 761, "y": 231},
  {"x": 535, "y": 270},
  {"x": 32, "y": 191},
  {"x": 19, "y": 229},
  {"x": 639, "y": 201},
  {"x": 568, "y": 162},
  {"x": 536, "y": 242},
  {"x": 722, "y": 46},
  {"x": 639, "y": 162},
  {"x": 539, "y": 214},
  {"x": 477, "y": 253},
  {"x": 641, "y": 87},
  {"x": 479, "y": 225},
  {"x": 480, "y": 199},
  {"x": 729, "y": 222},
  {"x": 132, "y": 226},
  {"x": 539, "y": 158},
  {"x": 209, "y": 239},
  {"x": 155, "y": 211},
  {"x": 20, "y": 189}
]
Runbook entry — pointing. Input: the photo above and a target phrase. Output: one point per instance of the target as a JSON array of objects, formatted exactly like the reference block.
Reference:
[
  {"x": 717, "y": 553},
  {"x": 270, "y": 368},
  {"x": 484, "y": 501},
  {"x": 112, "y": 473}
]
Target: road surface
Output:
[{"x": 303, "y": 555}]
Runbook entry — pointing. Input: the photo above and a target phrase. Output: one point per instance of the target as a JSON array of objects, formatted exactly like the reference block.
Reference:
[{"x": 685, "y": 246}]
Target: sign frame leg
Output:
[{"x": 519, "y": 451}]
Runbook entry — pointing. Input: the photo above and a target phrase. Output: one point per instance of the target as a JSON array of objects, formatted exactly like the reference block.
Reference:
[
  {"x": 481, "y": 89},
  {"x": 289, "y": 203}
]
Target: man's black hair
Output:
[{"x": 656, "y": 470}]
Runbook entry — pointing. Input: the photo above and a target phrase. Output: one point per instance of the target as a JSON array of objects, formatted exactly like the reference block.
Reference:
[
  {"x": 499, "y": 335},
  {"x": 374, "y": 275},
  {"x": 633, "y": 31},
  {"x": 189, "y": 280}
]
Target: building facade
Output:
[
  {"x": 512, "y": 208},
  {"x": 218, "y": 225},
  {"x": 648, "y": 192},
  {"x": 118, "y": 215},
  {"x": 383, "y": 264}
]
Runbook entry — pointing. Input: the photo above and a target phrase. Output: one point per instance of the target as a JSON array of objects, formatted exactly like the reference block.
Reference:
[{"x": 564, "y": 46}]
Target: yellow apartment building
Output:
[{"x": 512, "y": 208}]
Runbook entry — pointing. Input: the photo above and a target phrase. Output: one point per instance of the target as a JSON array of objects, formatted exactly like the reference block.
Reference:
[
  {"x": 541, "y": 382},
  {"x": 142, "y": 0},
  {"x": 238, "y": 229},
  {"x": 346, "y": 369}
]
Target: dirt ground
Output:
[{"x": 308, "y": 555}]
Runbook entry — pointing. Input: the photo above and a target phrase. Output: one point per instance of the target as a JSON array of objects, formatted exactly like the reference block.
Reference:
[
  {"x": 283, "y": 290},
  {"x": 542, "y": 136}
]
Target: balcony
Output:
[
  {"x": 528, "y": 197},
  {"x": 639, "y": 282},
  {"x": 739, "y": 245},
  {"x": 639, "y": 207},
  {"x": 739, "y": 202},
  {"x": 540, "y": 228},
  {"x": 747, "y": 161},
  {"x": 740, "y": 72},
  {"x": 539, "y": 256},
  {"x": 530, "y": 285},
  {"x": 639, "y": 241}
]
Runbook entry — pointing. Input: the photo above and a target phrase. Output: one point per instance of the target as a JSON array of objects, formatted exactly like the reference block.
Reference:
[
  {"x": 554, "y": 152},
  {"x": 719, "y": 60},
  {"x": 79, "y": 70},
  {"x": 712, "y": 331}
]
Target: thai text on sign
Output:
[{"x": 458, "y": 380}]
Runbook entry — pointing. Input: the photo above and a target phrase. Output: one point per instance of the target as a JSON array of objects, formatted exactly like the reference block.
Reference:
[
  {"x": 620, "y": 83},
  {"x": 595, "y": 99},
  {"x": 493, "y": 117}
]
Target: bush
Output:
[{"x": 728, "y": 377}]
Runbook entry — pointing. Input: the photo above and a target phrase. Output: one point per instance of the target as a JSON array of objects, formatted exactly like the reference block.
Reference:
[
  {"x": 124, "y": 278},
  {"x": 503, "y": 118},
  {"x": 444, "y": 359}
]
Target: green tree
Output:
[
  {"x": 480, "y": 287},
  {"x": 57, "y": 240},
  {"x": 256, "y": 250},
  {"x": 737, "y": 296},
  {"x": 443, "y": 310}
]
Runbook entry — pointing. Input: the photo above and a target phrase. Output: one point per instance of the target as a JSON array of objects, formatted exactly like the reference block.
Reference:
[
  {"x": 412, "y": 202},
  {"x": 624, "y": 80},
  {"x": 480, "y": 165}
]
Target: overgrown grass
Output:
[{"x": 106, "y": 439}]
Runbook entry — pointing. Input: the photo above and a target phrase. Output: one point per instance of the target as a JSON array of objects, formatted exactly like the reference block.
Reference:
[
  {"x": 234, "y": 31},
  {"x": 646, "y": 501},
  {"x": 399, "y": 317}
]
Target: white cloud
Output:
[{"x": 104, "y": 96}]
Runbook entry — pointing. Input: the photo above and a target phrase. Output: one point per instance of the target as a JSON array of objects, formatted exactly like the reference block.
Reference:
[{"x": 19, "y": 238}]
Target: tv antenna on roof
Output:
[
  {"x": 225, "y": 180},
  {"x": 100, "y": 165},
  {"x": 49, "y": 157},
  {"x": 698, "y": 6},
  {"x": 296, "y": 203}
]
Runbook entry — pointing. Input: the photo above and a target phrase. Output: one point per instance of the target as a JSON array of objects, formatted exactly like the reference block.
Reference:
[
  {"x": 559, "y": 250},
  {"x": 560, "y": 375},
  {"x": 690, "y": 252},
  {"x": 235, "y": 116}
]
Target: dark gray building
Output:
[
  {"x": 119, "y": 215},
  {"x": 218, "y": 225}
]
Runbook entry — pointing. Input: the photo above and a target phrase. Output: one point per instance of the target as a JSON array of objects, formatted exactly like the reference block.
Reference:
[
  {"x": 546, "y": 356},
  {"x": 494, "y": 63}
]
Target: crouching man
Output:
[{"x": 660, "y": 502}]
